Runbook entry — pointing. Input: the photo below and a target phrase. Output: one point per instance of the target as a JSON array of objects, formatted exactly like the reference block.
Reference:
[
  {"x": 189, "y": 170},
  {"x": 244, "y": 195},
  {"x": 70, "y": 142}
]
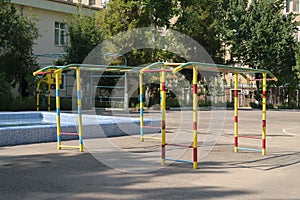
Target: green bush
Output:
[
  {"x": 254, "y": 105},
  {"x": 23, "y": 104},
  {"x": 287, "y": 106},
  {"x": 229, "y": 104},
  {"x": 172, "y": 102},
  {"x": 203, "y": 103}
]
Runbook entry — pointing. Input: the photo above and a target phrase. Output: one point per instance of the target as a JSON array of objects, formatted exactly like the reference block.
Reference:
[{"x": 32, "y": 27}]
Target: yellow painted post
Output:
[
  {"x": 195, "y": 118},
  {"x": 79, "y": 105},
  {"x": 264, "y": 114},
  {"x": 38, "y": 96},
  {"x": 57, "y": 85},
  {"x": 141, "y": 107},
  {"x": 236, "y": 112},
  {"x": 49, "y": 98},
  {"x": 163, "y": 116}
]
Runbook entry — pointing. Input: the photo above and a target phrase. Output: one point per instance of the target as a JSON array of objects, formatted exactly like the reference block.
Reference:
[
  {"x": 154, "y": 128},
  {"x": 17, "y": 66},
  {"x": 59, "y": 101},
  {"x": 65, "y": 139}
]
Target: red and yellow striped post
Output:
[
  {"x": 163, "y": 115},
  {"x": 195, "y": 117},
  {"x": 264, "y": 114},
  {"x": 79, "y": 108},
  {"x": 236, "y": 111}
]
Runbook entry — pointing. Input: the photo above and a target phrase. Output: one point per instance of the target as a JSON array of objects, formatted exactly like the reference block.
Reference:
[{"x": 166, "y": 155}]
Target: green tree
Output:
[
  {"x": 84, "y": 34},
  {"x": 17, "y": 36},
  {"x": 261, "y": 37},
  {"x": 124, "y": 15},
  {"x": 199, "y": 20}
]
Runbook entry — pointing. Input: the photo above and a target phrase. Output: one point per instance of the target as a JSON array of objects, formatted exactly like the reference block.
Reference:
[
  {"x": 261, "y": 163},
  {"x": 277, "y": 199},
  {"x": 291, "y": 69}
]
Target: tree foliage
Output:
[
  {"x": 17, "y": 36},
  {"x": 199, "y": 20},
  {"x": 84, "y": 34},
  {"x": 260, "y": 36}
]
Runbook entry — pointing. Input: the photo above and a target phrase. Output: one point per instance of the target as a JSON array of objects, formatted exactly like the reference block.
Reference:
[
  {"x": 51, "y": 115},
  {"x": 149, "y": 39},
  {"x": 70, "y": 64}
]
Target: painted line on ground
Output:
[{"x": 289, "y": 133}]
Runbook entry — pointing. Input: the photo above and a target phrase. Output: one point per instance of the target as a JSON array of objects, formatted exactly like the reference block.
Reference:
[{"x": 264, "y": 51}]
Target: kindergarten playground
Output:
[
  {"x": 188, "y": 154},
  {"x": 39, "y": 171}
]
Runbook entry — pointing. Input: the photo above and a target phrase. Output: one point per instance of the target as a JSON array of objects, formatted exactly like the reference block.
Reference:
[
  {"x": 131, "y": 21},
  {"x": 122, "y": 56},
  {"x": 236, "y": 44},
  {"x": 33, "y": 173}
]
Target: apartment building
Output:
[{"x": 52, "y": 17}]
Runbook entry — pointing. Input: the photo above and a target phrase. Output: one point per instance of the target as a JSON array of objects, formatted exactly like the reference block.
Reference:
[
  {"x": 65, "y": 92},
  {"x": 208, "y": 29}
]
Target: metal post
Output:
[
  {"x": 236, "y": 112},
  {"x": 163, "y": 116},
  {"x": 141, "y": 107},
  {"x": 79, "y": 105},
  {"x": 49, "y": 98},
  {"x": 264, "y": 114},
  {"x": 58, "y": 108},
  {"x": 38, "y": 96},
  {"x": 195, "y": 118},
  {"x": 125, "y": 92}
]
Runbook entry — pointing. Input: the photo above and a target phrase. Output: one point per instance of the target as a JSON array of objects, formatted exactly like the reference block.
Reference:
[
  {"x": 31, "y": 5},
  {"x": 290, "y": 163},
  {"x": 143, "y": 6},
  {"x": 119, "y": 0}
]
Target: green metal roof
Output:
[{"x": 174, "y": 66}]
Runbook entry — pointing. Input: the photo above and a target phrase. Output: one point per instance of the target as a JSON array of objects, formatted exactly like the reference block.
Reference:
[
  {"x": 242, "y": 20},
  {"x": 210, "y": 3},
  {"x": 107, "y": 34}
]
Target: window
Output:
[
  {"x": 296, "y": 5},
  {"x": 104, "y": 3},
  {"x": 60, "y": 34},
  {"x": 92, "y": 2},
  {"x": 289, "y": 4},
  {"x": 297, "y": 34}
]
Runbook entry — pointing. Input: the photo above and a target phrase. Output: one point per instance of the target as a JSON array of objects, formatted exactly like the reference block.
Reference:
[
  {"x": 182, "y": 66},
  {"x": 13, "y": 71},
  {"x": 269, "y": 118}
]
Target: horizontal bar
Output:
[
  {"x": 173, "y": 64},
  {"x": 151, "y": 127},
  {"x": 110, "y": 86},
  {"x": 250, "y": 136},
  {"x": 44, "y": 73},
  {"x": 260, "y": 79},
  {"x": 110, "y": 97},
  {"x": 67, "y": 146},
  {"x": 153, "y": 138},
  {"x": 180, "y": 145},
  {"x": 158, "y": 70},
  {"x": 249, "y": 149},
  {"x": 109, "y": 101},
  {"x": 182, "y": 161},
  {"x": 65, "y": 133},
  {"x": 109, "y": 76}
]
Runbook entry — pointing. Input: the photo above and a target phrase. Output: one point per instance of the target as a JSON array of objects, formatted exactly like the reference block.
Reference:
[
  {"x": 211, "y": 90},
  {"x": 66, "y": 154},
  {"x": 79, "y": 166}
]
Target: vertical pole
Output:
[
  {"x": 91, "y": 88},
  {"x": 126, "y": 104},
  {"x": 236, "y": 112},
  {"x": 141, "y": 107},
  {"x": 57, "y": 109},
  {"x": 49, "y": 98},
  {"x": 38, "y": 96},
  {"x": 264, "y": 114},
  {"x": 195, "y": 117},
  {"x": 163, "y": 116},
  {"x": 79, "y": 105}
]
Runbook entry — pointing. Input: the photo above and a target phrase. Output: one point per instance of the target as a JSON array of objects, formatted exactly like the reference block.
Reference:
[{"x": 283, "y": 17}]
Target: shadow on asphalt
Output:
[{"x": 62, "y": 175}]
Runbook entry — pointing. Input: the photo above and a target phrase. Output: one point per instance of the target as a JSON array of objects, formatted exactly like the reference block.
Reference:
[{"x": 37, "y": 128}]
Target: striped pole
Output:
[
  {"x": 49, "y": 100},
  {"x": 236, "y": 112},
  {"x": 58, "y": 109},
  {"x": 38, "y": 96},
  {"x": 195, "y": 113},
  {"x": 163, "y": 116},
  {"x": 141, "y": 107},
  {"x": 79, "y": 105},
  {"x": 264, "y": 114}
]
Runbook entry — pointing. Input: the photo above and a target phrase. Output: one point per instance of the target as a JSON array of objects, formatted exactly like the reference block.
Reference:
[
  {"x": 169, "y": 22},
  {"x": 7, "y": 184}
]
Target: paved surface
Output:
[{"x": 39, "y": 171}]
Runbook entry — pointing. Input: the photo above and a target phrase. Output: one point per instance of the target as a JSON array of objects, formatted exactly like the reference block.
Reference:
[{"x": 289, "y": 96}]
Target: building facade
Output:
[{"x": 52, "y": 17}]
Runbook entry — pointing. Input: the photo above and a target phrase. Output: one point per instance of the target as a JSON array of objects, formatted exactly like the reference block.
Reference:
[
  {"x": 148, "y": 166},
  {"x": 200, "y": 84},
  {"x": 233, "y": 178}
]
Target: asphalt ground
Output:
[{"x": 126, "y": 168}]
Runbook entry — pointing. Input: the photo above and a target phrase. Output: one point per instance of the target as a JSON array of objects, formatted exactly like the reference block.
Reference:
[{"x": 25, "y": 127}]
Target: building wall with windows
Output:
[
  {"x": 52, "y": 17},
  {"x": 293, "y": 6}
]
